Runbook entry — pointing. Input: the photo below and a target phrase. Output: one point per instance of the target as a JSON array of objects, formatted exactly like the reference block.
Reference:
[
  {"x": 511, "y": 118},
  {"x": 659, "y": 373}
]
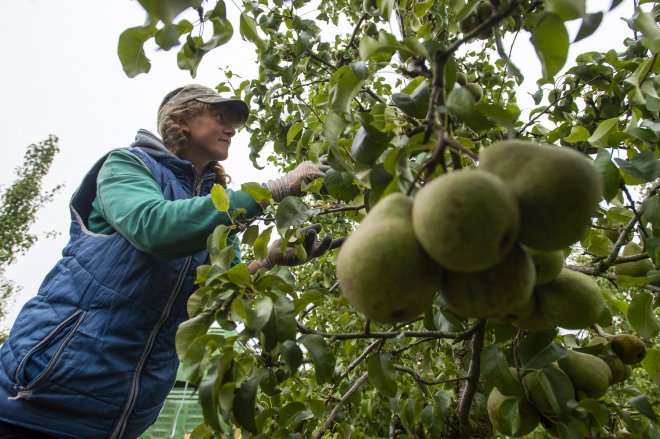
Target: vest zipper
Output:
[{"x": 132, "y": 395}]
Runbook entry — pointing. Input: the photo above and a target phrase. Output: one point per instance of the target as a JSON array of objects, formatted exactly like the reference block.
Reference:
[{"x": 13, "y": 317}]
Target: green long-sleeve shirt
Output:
[{"x": 130, "y": 202}]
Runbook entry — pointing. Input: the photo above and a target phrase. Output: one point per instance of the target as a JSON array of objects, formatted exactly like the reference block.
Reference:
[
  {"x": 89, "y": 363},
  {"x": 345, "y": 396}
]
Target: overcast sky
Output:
[{"x": 61, "y": 76}]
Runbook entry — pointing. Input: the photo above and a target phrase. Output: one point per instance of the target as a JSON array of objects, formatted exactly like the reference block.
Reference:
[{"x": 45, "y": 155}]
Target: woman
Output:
[{"x": 92, "y": 355}]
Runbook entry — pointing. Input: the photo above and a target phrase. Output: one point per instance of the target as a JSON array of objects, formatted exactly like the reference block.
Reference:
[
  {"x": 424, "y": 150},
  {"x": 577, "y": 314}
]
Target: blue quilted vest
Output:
[{"x": 92, "y": 355}]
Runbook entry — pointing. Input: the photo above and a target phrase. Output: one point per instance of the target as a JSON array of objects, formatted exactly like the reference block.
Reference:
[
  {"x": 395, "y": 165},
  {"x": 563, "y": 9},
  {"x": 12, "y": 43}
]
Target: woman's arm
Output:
[{"x": 131, "y": 202}]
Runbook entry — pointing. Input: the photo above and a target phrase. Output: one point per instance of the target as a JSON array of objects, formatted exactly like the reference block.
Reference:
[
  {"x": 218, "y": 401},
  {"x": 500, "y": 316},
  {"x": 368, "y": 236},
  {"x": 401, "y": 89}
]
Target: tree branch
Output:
[
  {"x": 344, "y": 399},
  {"x": 473, "y": 378},
  {"x": 386, "y": 335}
]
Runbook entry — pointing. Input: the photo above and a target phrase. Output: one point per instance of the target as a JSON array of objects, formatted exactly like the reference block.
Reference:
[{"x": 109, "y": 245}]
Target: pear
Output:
[
  {"x": 617, "y": 368},
  {"x": 466, "y": 220},
  {"x": 529, "y": 417},
  {"x": 475, "y": 90},
  {"x": 548, "y": 263},
  {"x": 503, "y": 292},
  {"x": 381, "y": 268},
  {"x": 572, "y": 300},
  {"x": 635, "y": 268},
  {"x": 558, "y": 189},
  {"x": 630, "y": 348},
  {"x": 590, "y": 374},
  {"x": 461, "y": 78}
]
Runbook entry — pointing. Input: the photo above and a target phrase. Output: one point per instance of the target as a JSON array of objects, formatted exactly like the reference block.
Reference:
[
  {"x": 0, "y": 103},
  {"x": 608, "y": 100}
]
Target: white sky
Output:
[{"x": 61, "y": 76}]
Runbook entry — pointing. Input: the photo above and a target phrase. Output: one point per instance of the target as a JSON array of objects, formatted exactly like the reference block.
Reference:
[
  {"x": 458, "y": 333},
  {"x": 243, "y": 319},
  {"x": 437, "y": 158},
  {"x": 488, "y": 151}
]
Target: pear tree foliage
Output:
[{"x": 396, "y": 96}]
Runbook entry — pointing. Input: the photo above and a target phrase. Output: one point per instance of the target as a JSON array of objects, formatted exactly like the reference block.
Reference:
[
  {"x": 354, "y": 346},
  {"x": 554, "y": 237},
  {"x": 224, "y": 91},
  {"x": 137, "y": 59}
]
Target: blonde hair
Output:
[{"x": 170, "y": 128}]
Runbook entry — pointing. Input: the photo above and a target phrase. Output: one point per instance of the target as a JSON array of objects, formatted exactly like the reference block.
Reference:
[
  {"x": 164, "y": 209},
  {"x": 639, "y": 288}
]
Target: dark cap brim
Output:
[{"x": 238, "y": 107}]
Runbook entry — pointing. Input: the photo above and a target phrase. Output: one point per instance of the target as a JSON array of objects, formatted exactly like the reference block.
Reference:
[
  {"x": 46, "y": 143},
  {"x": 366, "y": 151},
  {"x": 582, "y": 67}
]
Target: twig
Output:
[
  {"x": 339, "y": 209},
  {"x": 387, "y": 335},
  {"x": 576, "y": 89},
  {"x": 344, "y": 399}
]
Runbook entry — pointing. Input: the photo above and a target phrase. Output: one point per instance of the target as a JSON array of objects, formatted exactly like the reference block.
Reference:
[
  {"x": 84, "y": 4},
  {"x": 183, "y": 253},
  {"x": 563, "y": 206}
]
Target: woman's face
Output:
[{"x": 209, "y": 137}]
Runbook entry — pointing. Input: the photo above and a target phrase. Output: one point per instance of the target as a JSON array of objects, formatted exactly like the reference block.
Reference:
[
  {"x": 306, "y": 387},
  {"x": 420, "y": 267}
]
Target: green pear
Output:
[
  {"x": 572, "y": 300},
  {"x": 461, "y": 78},
  {"x": 475, "y": 90},
  {"x": 630, "y": 348},
  {"x": 503, "y": 292},
  {"x": 635, "y": 268},
  {"x": 466, "y": 220},
  {"x": 497, "y": 404},
  {"x": 558, "y": 189},
  {"x": 381, "y": 268},
  {"x": 590, "y": 374},
  {"x": 617, "y": 368},
  {"x": 548, "y": 263}
]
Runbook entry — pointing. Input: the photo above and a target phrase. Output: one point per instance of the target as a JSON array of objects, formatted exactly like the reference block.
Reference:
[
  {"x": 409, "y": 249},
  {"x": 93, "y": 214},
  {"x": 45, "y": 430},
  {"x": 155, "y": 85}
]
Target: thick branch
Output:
[{"x": 473, "y": 378}]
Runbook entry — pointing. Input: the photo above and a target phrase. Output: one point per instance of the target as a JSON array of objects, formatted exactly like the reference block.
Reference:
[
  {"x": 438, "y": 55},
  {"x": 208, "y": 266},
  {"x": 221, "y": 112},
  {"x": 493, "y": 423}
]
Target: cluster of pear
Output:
[
  {"x": 475, "y": 89},
  {"x": 491, "y": 240},
  {"x": 587, "y": 374}
]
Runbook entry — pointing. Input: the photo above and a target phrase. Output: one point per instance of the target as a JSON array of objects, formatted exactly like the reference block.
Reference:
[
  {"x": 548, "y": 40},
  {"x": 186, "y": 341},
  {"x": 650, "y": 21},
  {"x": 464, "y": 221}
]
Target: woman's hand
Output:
[{"x": 313, "y": 248}]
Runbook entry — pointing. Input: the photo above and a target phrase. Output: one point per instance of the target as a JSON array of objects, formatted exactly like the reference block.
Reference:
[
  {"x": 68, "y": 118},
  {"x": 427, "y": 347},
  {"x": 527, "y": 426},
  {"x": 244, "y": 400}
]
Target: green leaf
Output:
[
  {"x": 243, "y": 407},
  {"x": 578, "y": 134},
  {"x": 550, "y": 40},
  {"x": 220, "y": 198},
  {"x": 261, "y": 244},
  {"x": 292, "y": 355},
  {"x": 651, "y": 364},
  {"x": 558, "y": 388},
  {"x": 333, "y": 128},
  {"x": 344, "y": 85},
  {"x": 366, "y": 148},
  {"x": 495, "y": 369},
  {"x": 596, "y": 243},
  {"x": 341, "y": 185},
  {"x": 259, "y": 314},
  {"x": 610, "y": 174},
  {"x": 382, "y": 374},
  {"x": 644, "y": 22},
  {"x": 509, "y": 415},
  {"x": 415, "y": 104},
  {"x": 282, "y": 323},
  {"x": 293, "y": 131},
  {"x": 168, "y": 36},
  {"x": 248, "y": 30},
  {"x": 222, "y": 33},
  {"x": 566, "y": 9},
  {"x": 322, "y": 357},
  {"x": 538, "y": 349},
  {"x": 644, "y": 166},
  {"x": 462, "y": 104},
  {"x": 642, "y": 405},
  {"x": 288, "y": 411},
  {"x": 189, "y": 330},
  {"x": 590, "y": 23},
  {"x": 190, "y": 55},
  {"x": 292, "y": 212},
  {"x": 166, "y": 11},
  {"x": 600, "y": 136},
  {"x": 239, "y": 275},
  {"x": 257, "y": 191},
  {"x": 641, "y": 315},
  {"x": 130, "y": 50}
]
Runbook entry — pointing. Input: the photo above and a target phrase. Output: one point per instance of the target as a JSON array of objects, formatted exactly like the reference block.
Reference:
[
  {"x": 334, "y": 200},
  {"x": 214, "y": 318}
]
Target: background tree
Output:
[
  {"x": 19, "y": 204},
  {"x": 394, "y": 95}
]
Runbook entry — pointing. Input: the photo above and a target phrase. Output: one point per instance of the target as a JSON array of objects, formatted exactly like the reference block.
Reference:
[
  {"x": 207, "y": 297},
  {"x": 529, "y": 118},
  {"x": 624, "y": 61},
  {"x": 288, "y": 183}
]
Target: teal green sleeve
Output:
[{"x": 129, "y": 201}]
